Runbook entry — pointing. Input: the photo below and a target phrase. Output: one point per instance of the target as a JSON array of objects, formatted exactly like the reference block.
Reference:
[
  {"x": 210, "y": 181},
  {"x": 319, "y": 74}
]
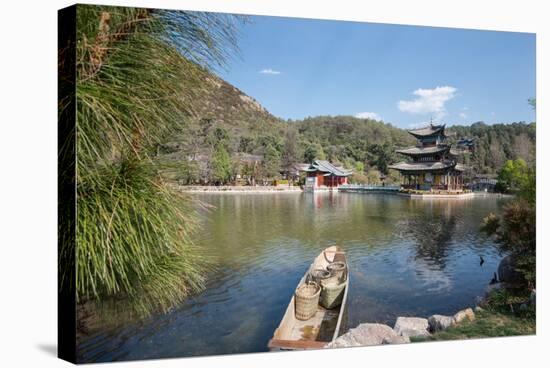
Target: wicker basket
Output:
[
  {"x": 318, "y": 275},
  {"x": 337, "y": 270},
  {"x": 306, "y": 299},
  {"x": 331, "y": 295}
]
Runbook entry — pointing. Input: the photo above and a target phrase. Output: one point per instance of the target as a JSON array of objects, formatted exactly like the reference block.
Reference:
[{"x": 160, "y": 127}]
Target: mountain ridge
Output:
[{"x": 225, "y": 116}]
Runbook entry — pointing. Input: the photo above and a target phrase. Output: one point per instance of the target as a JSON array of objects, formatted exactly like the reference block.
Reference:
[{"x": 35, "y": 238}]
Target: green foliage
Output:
[
  {"x": 515, "y": 232},
  {"x": 359, "y": 167},
  {"x": 246, "y": 144},
  {"x": 358, "y": 178},
  {"x": 218, "y": 136},
  {"x": 515, "y": 229},
  {"x": 343, "y": 139},
  {"x": 373, "y": 177},
  {"x": 188, "y": 172},
  {"x": 183, "y": 171},
  {"x": 502, "y": 315},
  {"x": 514, "y": 175},
  {"x": 133, "y": 240},
  {"x": 382, "y": 155},
  {"x": 528, "y": 189},
  {"x": 222, "y": 167},
  {"x": 292, "y": 152},
  {"x": 314, "y": 152},
  {"x": 272, "y": 162},
  {"x": 348, "y": 139},
  {"x": 393, "y": 177},
  {"x": 133, "y": 230},
  {"x": 487, "y": 323},
  {"x": 129, "y": 75},
  {"x": 497, "y": 143},
  {"x": 507, "y": 300}
]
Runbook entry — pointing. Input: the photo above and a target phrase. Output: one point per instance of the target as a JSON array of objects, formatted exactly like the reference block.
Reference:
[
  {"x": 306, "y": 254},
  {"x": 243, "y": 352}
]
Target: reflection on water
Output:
[{"x": 407, "y": 257}]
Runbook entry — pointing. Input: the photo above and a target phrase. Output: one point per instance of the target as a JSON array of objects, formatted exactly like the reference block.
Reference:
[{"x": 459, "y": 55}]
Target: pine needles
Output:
[
  {"x": 133, "y": 239},
  {"x": 133, "y": 90}
]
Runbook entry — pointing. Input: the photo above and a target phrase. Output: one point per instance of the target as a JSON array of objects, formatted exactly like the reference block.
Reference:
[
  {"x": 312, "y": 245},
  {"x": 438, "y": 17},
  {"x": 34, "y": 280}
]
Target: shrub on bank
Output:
[{"x": 515, "y": 230}]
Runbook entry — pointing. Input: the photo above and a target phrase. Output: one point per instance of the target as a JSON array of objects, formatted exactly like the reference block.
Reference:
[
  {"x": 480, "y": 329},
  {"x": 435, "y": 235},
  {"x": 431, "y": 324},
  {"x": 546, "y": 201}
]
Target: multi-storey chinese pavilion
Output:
[{"x": 433, "y": 164}]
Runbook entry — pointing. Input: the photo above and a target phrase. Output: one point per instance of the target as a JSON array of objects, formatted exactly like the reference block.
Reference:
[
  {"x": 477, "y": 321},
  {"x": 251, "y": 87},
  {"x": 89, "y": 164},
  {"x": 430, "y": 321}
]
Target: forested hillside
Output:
[
  {"x": 497, "y": 143},
  {"x": 230, "y": 135}
]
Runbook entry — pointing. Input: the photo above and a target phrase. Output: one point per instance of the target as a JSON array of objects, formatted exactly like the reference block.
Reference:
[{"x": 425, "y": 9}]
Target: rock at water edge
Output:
[
  {"x": 438, "y": 322},
  {"x": 396, "y": 340},
  {"x": 411, "y": 326},
  {"x": 367, "y": 334},
  {"x": 464, "y": 314}
]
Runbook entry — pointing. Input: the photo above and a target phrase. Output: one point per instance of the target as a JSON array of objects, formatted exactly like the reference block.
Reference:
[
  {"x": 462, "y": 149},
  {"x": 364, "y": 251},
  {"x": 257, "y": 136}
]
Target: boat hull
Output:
[{"x": 324, "y": 326}]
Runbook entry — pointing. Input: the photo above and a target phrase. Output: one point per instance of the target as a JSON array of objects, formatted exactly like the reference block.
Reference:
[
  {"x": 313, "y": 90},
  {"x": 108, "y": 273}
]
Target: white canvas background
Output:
[{"x": 28, "y": 180}]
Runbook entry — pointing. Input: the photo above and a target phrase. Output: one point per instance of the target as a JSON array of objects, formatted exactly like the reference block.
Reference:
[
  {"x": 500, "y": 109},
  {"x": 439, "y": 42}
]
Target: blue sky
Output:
[{"x": 401, "y": 74}]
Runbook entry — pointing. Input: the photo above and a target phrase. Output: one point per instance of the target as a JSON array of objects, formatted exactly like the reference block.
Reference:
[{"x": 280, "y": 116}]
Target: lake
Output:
[{"x": 406, "y": 258}]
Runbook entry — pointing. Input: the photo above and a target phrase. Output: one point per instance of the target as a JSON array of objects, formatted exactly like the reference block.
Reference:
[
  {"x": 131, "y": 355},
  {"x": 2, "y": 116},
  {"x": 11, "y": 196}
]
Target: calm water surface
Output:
[{"x": 407, "y": 258}]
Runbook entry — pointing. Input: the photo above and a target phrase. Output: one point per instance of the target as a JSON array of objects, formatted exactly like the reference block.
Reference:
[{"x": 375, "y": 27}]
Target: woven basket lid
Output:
[{"x": 307, "y": 290}]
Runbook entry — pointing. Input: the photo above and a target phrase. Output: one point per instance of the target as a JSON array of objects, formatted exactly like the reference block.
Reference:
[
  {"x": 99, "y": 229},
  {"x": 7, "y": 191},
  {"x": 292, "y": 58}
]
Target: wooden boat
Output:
[{"x": 324, "y": 326}]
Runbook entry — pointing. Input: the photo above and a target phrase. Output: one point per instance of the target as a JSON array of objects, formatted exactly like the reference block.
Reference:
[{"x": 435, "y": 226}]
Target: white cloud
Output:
[
  {"x": 429, "y": 101},
  {"x": 269, "y": 71},
  {"x": 463, "y": 115},
  {"x": 368, "y": 115},
  {"x": 419, "y": 125}
]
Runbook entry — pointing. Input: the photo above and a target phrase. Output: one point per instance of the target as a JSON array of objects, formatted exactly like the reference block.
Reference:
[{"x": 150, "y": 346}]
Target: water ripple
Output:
[{"x": 406, "y": 258}]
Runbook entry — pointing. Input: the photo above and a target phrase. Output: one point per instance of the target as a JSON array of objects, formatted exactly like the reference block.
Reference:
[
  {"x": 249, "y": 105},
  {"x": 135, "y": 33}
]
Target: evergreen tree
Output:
[
  {"x": 314, "y": 152},
  {"x": 222, "y": 167},
  {"x": 272, "y": 162},
  {"x": 291, "y": 150}
]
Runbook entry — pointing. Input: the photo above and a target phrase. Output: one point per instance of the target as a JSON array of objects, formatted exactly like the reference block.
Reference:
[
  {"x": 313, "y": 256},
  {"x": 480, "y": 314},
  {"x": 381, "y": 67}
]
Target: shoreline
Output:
[
  {"x": 238, "y": 189},
  {"x": 486, "y": 319},
  {"x": 230, "y": 189},
  {"x": 427, "y": 196}
]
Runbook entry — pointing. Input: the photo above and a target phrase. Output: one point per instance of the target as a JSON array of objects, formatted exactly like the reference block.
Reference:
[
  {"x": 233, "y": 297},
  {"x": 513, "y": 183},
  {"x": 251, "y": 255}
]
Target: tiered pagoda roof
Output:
[
  {"x": 460, "y": 167},
  {"x": 429, "y": 131},
  {"x": 466, "y": 142},
  {"x": 433, "y": 162},
  {"x": 430, "y": 154},
  {"x": 424, "y": 166},
  {"x": 418, "y": 151}
]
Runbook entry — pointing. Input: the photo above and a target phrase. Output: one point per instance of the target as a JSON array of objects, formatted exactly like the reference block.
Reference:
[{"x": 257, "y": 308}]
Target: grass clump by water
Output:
[
  {"x": 136, "y": 71},
  {"x": 486, "y": 324}
]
